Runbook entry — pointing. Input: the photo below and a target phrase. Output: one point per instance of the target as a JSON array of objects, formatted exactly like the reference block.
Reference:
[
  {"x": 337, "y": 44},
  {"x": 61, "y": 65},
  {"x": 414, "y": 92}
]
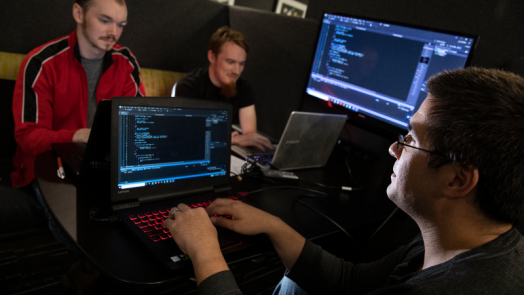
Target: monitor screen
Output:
[
  {"x": 379, "y": 69},
  {"x": 163, "y": 145}
]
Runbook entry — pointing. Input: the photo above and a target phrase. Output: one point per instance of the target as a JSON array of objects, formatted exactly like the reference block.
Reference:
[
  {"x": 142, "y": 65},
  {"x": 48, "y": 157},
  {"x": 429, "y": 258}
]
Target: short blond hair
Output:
[{"x": 226, "y": 34}]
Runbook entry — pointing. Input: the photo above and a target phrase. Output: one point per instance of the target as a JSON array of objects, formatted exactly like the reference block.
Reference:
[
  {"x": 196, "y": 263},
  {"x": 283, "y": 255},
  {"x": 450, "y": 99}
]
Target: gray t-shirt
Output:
[
  {"x": 93, "y": 68},
  {"x": 494, "y": 268}
]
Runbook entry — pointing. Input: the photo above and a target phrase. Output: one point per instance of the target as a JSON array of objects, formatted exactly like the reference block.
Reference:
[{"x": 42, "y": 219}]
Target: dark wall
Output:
[
  {"x": 25, "y": 25},
  {"x": 499, "y": 23},
  {"x": 172, "y": 35},
  {"x": 267, "y": 5},
  {"x": 278, "y": 63}
]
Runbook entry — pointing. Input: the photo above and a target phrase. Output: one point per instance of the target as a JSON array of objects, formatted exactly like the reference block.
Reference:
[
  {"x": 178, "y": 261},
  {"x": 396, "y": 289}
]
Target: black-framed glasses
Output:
[{"x": 402, "y": 141}]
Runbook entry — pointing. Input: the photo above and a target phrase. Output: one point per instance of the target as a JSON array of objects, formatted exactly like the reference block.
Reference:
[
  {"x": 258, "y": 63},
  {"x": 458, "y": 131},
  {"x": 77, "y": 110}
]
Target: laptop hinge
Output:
[
  {"x": 171, "y": 195},
  {"x": 224, "y": 188},
  {"x": 126, "y": 205}
]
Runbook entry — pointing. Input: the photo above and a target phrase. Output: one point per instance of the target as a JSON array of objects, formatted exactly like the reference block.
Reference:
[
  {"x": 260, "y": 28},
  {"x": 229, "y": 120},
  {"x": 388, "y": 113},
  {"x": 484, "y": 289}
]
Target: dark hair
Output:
[
  {"x": 226, "y": 34},
  {"x": 477, "y": 117},
  {"x": 85, "y": 4}
]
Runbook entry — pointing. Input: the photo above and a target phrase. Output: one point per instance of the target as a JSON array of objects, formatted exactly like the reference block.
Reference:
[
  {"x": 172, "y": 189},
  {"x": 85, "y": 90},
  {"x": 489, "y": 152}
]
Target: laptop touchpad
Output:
[{"x": 226, "y": 239}]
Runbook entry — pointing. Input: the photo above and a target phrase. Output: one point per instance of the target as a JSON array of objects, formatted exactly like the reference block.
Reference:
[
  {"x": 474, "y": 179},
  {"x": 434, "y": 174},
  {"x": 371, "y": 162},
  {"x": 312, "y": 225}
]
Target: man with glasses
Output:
[{"x": 459, "y": 174}]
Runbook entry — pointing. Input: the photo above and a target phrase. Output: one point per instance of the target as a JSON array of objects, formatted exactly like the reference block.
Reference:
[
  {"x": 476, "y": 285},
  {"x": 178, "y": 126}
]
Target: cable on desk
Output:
[
  {"x": 108, "y": 219},
  {"x": 97, "y": 215},
  {"x": 344, "y": 188},
  {"x": 351, "y": 175},
  {"x": 261, "y": 178},
  {"x": 326, "y": 217},
  {"x": 287, "y": 187},
  {"x": 315, "y": 210},
  {"x": 238, "y": 176},
  {"x": 249, "y": 166},
  {"x": 382, "y": 225}
]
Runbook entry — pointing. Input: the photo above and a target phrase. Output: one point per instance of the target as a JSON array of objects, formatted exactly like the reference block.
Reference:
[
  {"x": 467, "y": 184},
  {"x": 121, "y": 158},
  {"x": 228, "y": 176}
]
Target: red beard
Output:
[{"x": 229, "y": 90}]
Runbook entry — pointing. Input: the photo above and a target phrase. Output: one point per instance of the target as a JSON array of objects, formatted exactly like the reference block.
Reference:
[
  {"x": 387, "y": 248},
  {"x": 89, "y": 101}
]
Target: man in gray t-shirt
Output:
[{"x": 458, "y": 173}]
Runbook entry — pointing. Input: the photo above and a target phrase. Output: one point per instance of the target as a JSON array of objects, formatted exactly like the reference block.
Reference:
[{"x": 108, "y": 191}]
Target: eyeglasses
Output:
[{"x": 402, "y": 141}]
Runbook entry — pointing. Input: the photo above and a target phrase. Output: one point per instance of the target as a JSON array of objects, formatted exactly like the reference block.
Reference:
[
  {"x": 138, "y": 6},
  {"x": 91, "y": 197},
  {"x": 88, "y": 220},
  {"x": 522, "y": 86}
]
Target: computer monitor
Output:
[{"x": 378, "y": 70}]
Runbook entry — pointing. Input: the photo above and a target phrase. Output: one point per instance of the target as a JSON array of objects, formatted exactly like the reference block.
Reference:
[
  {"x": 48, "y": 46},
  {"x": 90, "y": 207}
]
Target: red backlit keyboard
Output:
[{"x": 151, "y": 222}]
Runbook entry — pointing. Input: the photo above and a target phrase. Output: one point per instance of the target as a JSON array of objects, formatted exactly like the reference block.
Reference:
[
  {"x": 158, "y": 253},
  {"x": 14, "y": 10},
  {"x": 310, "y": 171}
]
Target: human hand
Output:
[
  {"x": 192, "y": 230},
  {"x": 196, "y": 236},
  {"x": 82, "y": 135},
  {"x": 251, "y": 139},
  {"x": 245, "y": 219},
  {"x": 249, "y": 220}
]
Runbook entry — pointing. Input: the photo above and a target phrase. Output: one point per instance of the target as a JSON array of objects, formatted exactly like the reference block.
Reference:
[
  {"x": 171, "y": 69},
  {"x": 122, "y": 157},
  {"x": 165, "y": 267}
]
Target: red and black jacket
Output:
[{"x": 51, "y": 97}]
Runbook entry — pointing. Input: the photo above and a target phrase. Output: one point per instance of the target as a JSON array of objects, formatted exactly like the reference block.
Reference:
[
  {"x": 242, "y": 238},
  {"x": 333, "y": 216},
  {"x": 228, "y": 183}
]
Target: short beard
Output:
[
  {"x": 106, "y": 47},
  {"x": 229, "y": 90}
]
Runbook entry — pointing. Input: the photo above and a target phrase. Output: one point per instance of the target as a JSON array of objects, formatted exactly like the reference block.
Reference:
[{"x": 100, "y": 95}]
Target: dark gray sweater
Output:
[{"x": 494, "y": 268}]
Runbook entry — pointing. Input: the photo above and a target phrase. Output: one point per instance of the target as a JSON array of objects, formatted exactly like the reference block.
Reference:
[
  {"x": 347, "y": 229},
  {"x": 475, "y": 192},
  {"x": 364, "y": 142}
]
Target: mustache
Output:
[{"x": 110, "y": 37}]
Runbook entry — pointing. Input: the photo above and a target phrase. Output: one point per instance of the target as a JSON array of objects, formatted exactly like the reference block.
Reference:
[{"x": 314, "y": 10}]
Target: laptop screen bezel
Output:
[{"x": 165, "y": 190}]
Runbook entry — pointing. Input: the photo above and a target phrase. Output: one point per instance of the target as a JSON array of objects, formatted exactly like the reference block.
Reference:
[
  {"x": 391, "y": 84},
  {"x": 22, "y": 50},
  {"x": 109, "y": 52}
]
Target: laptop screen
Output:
[{"x": 167, "y": 148}]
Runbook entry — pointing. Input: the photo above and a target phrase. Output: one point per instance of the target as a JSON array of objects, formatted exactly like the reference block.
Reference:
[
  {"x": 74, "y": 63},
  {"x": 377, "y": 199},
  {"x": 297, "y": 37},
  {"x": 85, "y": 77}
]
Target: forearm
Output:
[
  {"x": 37, "y": 127},
  {"x": 220, "y": 283},
  {"x": 37, "y": 140},
  {"x": 287, "y": 242},
  {"x": 207, "y": 263},
  {"x": 194, "y": 233},
  {"x": 248, "y": 119}
]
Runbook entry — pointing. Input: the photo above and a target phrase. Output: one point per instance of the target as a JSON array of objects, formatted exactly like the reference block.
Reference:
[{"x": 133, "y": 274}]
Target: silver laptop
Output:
[{"x": 307, "y": 142}]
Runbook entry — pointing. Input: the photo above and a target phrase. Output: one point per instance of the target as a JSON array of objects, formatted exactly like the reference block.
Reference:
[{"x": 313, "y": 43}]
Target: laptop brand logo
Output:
[
  {"x": 99, "y": 164},
  {"x": 292, "y": 141},
  {"x": 123, "y": 192}
]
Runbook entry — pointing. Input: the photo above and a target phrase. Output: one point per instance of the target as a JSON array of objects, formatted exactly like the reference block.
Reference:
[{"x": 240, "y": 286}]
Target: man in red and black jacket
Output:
[{"x": 61, "y": 82}]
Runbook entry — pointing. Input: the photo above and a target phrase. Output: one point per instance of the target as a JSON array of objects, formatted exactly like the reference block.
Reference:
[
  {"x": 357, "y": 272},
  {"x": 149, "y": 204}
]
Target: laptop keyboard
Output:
[
  {"x": 264, "y": 160},
  {"x": 151, "y": 222}
]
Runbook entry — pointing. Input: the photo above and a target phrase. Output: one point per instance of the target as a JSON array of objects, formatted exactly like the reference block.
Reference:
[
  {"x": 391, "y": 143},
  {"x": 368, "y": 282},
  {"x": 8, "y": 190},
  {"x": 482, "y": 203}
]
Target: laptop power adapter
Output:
[{"x": 281, "y": 176}]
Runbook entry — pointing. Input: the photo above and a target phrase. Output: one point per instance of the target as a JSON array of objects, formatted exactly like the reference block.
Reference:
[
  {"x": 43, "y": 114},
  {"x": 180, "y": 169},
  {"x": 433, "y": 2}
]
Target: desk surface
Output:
[{"x": 120, "y": 254}]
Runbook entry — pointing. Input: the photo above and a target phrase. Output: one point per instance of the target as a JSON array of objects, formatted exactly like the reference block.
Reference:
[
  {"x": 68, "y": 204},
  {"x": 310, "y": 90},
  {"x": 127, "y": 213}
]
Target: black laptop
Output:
[
  {"x": 166, "y": 151},
  {"x": 89, "y": 163}
]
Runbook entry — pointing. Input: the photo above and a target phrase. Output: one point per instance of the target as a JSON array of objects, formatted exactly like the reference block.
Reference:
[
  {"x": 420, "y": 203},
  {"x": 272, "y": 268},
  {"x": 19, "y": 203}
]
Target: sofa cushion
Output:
[{"x": 7, "y": 125}]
